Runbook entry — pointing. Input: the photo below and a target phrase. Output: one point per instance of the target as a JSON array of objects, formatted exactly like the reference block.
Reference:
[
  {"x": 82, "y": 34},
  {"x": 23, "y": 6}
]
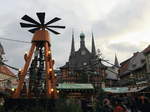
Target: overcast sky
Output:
[{"x": 119, "y": 26}]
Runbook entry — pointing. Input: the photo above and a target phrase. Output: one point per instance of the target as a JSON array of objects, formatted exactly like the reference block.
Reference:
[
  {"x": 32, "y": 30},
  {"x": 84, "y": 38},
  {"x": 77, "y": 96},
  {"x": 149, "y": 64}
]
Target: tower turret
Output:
[{"x": 82, "y": 41}]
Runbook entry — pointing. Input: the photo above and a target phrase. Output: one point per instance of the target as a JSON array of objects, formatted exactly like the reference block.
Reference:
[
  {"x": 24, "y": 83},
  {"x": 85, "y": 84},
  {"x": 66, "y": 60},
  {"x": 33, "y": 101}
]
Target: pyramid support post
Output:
[
  {"x": 24, "y": 72},
  {"x": 48, "y": 70}
]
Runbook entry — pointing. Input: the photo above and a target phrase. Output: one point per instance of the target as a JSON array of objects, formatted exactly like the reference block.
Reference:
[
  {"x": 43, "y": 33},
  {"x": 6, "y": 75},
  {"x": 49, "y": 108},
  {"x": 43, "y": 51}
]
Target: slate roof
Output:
[
  {"x": 111, "y": 73},
  {"x": 82, "y": 57},
  {"x": 124, "y": 67},
  {"x": 78, "y": 59},
  {"x": 137, "y": 61},
  {"x": 147, "y": 49}
]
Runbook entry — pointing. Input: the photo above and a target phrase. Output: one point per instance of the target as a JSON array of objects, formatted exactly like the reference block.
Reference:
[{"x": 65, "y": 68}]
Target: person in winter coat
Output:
[{"x": 119, "y": 107}]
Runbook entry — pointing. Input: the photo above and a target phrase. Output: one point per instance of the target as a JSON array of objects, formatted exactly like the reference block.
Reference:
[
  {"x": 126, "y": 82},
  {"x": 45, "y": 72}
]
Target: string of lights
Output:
[
  {"x": 84, "y": 66},
  {"x": 98, "y": 63},
  {"x": 109, "y": 63},
  {"x": 7, "y": 39},
  {"x": 17, "y": 69}
]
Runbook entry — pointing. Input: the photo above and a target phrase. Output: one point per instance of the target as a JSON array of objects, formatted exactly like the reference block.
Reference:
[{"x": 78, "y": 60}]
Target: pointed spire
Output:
[
  {"x": 116, "y": 63},
  {"x": 72, "y": 44},
  {"x": 93, "y": 46},
  {"x": 1, "y": 49}
]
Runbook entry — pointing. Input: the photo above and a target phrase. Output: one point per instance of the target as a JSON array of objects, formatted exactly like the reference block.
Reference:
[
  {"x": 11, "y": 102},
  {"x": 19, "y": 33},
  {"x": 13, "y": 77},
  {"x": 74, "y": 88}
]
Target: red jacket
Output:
[{"x": 119, "y": 109}]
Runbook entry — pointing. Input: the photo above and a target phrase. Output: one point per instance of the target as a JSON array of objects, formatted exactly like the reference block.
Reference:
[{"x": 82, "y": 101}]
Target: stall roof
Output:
[
  {"x": 74, "y": 86},
  {"x": 116, "y": 89},
  {"x": 124, "y": 89}
]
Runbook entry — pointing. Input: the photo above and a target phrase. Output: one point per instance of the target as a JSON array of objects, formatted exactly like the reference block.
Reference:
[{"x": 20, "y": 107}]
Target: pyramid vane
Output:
[{"x": 41, "y": 24}]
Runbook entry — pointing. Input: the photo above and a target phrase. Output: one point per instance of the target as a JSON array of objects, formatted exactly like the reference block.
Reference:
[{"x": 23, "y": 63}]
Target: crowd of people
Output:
[{"x": 126, "y": 103}]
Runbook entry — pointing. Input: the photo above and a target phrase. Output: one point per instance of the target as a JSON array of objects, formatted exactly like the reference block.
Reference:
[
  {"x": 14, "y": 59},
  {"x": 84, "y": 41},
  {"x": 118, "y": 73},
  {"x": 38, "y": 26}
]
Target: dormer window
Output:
[{"x": 142, "y": 60}]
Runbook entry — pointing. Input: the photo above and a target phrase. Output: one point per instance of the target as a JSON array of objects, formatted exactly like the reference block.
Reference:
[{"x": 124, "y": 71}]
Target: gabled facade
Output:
[
  {"x": 7, "y": 78},
  {"x": 82, "y": 57},
  {"x": 112, "y": 74},
  {"x": 146, "y": 52},
  {"x": 136, "y": 68},
  {"x": 84, "y": 66}
]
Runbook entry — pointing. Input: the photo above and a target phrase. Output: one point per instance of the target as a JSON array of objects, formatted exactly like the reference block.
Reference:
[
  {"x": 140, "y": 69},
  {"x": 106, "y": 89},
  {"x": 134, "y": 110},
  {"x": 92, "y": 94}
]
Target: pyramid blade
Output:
[
  {"x": 41, "y": 17},
  {"x": 27, "y": 25},
  {"x": 53, "y": 20},
  {"x": 53, "y": 31},
  {"x": 56, "y": 26},
  {"x": 33, "y": 30},
  {"x": 29, "y": 19}
]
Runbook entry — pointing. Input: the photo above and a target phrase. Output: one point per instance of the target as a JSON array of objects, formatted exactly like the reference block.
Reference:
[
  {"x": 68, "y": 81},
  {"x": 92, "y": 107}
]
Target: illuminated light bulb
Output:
[
  {"x": 50, "y": 70},
  {"x": 13, "y": 89},
  {"x": 26, "y": 52},
  {"x": 19, "y": 70},
  {"x": 57, "y": 91},
  {"x": 49, "y": 52},
  {"x": 52, "y": 90}
]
